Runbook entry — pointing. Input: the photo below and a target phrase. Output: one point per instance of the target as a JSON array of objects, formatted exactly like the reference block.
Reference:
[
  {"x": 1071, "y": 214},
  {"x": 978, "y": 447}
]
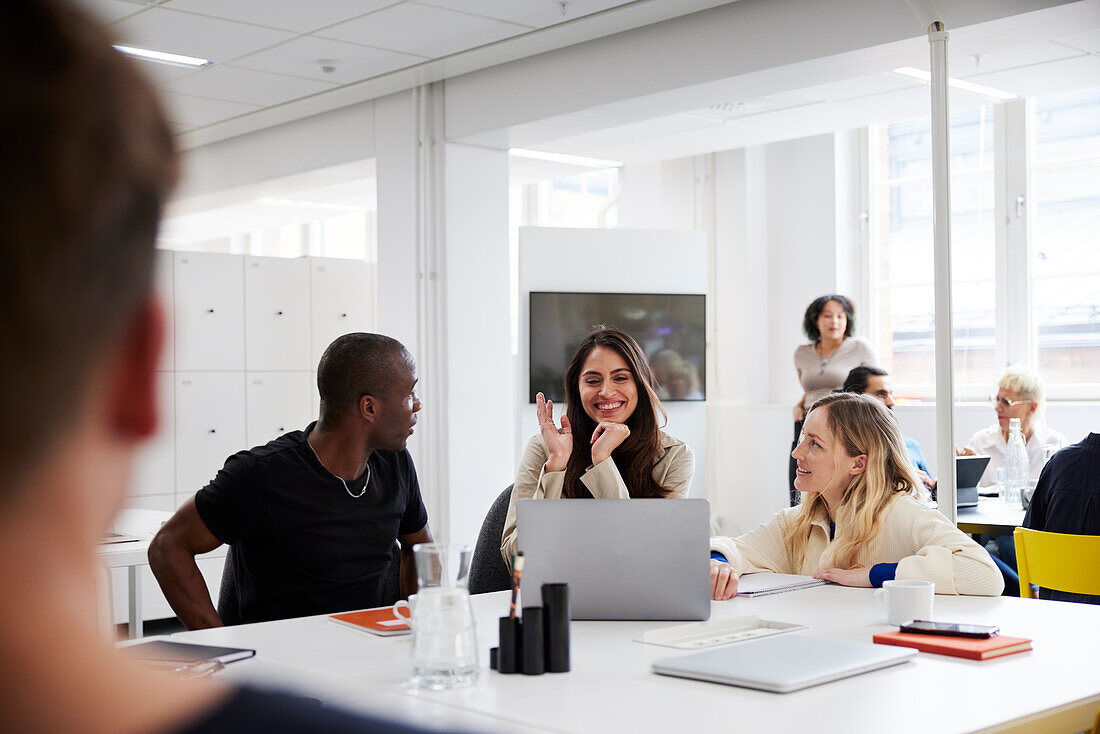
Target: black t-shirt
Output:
[
  {"x": 248, "y": 711},
  {"x": 301, "y": 543}
]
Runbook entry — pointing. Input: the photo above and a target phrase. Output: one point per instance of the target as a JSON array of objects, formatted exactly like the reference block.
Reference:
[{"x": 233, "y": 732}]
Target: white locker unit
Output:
[
  {"x": 277, "y": 402},
  {"x": 209, "y": 312},
  {"x": 162, "y": 280},
  {"x": 343, "y": 300},
  {"x": 155, "y": 465},
  {"x": 210, "y": 426},
  {"x": 277, "y": 314},
  {"x": 158, "y": 502}
]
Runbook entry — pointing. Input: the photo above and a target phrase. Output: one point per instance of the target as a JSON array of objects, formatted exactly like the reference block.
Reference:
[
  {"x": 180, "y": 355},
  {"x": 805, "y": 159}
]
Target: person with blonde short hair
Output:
[
  {"x": 862, "y": 520},
  {"x": 1020, "y": 394}
]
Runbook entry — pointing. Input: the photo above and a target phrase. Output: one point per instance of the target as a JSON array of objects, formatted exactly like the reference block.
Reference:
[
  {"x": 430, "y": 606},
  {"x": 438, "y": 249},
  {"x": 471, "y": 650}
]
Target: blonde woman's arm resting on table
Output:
[
  {"x": 948, "y": 557},
  {"x": 760, "y": 550}
]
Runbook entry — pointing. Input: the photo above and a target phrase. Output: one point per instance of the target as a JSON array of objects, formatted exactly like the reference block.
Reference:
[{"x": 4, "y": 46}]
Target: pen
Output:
[{"x": 517, "y": 572}]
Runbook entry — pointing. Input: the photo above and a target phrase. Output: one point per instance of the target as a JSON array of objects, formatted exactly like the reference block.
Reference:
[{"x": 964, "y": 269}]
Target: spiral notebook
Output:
[{"x": 763, "y": 584}]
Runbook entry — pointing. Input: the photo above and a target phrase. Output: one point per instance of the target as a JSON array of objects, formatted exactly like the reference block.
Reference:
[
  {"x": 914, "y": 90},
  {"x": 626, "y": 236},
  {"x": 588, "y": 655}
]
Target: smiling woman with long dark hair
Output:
[{"x": 610, "y": 444}]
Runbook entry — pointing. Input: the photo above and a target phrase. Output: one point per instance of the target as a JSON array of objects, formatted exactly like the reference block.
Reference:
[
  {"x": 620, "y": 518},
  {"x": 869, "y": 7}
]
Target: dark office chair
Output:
[
  {"x": 487, "y": 569},
  {"x": 229, "y": 604}
]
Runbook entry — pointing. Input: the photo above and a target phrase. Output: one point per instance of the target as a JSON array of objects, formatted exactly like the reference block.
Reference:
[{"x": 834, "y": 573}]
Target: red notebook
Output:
[
  {"x": 960, "y": 647},
  {"x": 379, "y": 621}
]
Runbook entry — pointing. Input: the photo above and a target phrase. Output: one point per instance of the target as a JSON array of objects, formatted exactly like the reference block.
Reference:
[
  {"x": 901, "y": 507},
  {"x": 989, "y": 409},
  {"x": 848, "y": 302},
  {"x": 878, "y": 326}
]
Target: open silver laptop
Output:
[
  {"x": 784, "y": 663},
  {"x": 622, "y": 559}
]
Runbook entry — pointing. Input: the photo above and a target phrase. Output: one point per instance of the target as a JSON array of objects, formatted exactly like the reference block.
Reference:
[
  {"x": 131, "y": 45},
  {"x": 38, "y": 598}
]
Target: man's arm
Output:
[
  {"x": 172, "y": 558},
  {"x": 408, "y": 564}
]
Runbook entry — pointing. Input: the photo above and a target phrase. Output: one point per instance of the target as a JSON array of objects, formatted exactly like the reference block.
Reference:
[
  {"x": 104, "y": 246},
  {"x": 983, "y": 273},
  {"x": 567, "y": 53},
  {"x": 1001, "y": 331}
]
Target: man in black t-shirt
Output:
[{"x": 313, "y": 515}]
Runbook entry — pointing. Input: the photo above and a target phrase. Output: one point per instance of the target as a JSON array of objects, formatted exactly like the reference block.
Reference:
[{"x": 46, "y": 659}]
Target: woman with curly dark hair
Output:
[
  {"x": 824, "y": 363},
  {"x": 610, "y": 444}
]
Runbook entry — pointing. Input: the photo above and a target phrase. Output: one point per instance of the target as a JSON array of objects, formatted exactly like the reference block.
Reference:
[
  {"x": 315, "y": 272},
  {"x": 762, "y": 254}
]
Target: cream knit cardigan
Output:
[{"x": 915, "y": 536}]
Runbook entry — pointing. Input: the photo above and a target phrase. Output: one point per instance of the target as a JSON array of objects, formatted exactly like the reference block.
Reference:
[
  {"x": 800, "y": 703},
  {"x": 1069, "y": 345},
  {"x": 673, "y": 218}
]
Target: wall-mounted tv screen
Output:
[{"x": 671, "y": 329}]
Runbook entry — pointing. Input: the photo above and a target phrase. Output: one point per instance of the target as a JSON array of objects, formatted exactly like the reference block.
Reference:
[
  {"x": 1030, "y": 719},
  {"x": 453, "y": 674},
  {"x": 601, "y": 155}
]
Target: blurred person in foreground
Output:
[{"x": 87, "y": 164}]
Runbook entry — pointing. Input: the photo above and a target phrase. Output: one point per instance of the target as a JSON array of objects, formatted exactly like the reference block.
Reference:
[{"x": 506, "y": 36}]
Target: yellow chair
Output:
[{"x": 1057, "y": 561}]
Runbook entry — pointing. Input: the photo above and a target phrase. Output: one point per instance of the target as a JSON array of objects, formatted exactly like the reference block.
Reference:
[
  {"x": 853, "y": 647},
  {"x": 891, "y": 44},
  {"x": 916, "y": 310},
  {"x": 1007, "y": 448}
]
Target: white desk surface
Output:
[
  {"x": 136, "y": 553},
  {"x": 611, "y": 687}
]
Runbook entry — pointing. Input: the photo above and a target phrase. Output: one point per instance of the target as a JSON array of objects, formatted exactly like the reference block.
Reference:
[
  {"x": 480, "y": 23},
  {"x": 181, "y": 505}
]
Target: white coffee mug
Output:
[
  {"x": 409, "y": 605},
  {"x": 905, "y": 601}
]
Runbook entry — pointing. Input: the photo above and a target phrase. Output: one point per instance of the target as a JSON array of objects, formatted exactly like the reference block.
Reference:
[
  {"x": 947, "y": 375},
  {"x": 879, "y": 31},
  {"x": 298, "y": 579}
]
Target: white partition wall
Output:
[{"x": 612, "y": 261}]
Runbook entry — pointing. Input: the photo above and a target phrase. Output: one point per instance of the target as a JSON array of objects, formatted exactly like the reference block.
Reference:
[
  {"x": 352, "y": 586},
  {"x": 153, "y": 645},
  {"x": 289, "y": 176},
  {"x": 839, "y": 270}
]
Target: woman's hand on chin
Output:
[
  {"x": 558, "y": 444},
  {"x": 606, "y": 438},
  {"x": 723, "y": 580},
  {"x": 846, "y": 576}
]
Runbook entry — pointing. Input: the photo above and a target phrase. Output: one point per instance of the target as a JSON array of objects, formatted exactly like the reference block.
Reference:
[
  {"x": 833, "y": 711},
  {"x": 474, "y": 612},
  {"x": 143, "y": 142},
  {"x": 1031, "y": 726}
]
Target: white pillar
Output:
[{"x": 443, "y": 291}]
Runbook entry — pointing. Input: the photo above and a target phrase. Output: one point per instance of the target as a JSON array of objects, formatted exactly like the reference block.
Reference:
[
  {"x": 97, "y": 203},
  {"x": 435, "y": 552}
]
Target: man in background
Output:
[
  {"x": 1067, "y": 500},
  {"x": 86, "y": 166},
  {"x": 313, "y": 515},
  {"x": 876, "y": 382}
]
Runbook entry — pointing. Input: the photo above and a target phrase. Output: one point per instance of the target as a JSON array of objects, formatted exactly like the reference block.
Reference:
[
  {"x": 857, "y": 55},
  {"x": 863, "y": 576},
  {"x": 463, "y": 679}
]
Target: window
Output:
[
  {"x": 1065, "y": 235},
  {"x": 902, "y": 290}
]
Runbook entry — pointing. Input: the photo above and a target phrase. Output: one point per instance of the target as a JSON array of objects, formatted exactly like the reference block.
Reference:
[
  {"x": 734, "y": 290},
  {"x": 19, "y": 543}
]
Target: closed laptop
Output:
[
  {"x": 622, "y": 559},
  {"x": 784, "y": 663}
]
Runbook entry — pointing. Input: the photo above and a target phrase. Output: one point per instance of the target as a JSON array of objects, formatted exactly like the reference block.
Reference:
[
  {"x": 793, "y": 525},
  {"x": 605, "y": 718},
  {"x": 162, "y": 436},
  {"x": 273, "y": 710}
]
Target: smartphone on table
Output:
[{"x": 949, "y": 629}]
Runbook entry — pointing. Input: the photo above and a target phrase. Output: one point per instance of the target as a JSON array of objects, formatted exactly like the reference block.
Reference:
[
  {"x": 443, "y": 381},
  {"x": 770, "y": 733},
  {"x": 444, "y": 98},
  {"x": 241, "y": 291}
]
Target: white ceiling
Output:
[
  {"x": 267, "y": 53},
  {"x": 1067, "y": 59}
]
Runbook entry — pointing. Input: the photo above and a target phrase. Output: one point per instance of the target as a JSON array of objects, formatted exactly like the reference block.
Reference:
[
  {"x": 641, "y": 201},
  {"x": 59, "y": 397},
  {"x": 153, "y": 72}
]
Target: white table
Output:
[
  {"x": 992, "y": 516},
  {"x": 132, "y": 555},
  {"x": 611, "y": 687}
]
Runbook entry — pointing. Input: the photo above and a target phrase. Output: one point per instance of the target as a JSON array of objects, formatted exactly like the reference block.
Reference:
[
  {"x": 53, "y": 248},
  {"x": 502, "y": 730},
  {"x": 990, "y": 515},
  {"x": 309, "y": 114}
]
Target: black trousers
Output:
[{"x": 796, "y": 496}]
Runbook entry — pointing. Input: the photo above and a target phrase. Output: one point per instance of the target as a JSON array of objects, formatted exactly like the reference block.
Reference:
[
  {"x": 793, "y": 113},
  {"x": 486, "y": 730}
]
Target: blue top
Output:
[
  {"x": 916, "y": 456},
  {"x": 1067, "y": 500}
]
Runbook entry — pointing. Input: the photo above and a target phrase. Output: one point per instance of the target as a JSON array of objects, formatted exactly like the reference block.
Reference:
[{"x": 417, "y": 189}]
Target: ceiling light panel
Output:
[
  {"x": 246, "y": 86},
  {"x": 422, "y": 30},
  {"x": 290, "y": 15},
  {"x": 195, "y": 35},
  {"x": 301, "y": 57}
]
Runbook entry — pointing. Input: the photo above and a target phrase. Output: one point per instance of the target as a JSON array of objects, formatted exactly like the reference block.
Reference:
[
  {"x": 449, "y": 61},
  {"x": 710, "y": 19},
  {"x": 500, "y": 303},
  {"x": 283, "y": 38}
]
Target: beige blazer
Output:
[
  {"x": 673, "y": 470},
  {"x": 915, "y": 536}
]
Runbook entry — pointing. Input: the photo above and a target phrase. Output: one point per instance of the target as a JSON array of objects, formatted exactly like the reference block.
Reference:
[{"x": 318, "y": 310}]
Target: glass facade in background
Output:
[
  {"x": 904, "y": 276},
  {"x": 1065, "y": 235}
]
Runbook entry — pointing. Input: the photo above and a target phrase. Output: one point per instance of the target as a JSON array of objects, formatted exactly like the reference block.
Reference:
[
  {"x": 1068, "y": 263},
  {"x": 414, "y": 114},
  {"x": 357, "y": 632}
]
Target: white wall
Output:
[{"x": 611, "y": 261}]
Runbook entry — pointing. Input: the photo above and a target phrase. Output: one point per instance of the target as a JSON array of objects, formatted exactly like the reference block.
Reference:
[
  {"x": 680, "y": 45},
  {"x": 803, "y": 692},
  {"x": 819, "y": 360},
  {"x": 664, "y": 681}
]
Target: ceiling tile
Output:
[
  {"x": 291, "y": 15},
  {"x": 535, "y": 13},
  {"x": 1050, "y": 78},
  {"x": 246, "y": 86},
  {"x": 158, "y": 74},
  {"x": 197, "y": 111},
  {"x": 1009, "y": 58},
  {"x": 108, "y": 11},
  {"x": 195, "y": 35},
  {"x": 1086, "y": 41},
  {"x": 858, "y": 87},
  {"x": 301, "y": 57},
  {"x": 423, "y": 30}
]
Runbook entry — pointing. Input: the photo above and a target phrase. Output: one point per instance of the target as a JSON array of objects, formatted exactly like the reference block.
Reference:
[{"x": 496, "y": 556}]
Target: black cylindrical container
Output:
[
  {"x": 509, "y": 655},
  {"x": 555, "y": 605},
  {"x": 534, "y": 652}
]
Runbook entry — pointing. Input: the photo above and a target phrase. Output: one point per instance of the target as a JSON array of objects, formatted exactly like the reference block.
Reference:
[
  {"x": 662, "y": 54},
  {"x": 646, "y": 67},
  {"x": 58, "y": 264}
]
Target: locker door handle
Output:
[
  {"x": 343, "y": 315},
  {"x": 210, "y": 310},
  {"x": 212, "y": 431}
]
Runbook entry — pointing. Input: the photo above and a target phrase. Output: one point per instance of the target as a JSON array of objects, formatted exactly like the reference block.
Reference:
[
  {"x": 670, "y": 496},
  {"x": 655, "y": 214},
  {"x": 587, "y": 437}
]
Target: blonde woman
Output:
[{"x": 861, "y": 521}]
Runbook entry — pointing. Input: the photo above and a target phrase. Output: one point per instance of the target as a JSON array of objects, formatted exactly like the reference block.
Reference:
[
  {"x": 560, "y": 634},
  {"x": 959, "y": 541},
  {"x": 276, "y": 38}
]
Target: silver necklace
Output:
[{"x": 347, "y": 489}]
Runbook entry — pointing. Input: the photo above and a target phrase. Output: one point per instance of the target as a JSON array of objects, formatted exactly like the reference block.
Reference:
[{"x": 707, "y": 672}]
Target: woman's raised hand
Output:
[
  {"x": 606, "y": 438},
  {"x": 558, "y": 444}
]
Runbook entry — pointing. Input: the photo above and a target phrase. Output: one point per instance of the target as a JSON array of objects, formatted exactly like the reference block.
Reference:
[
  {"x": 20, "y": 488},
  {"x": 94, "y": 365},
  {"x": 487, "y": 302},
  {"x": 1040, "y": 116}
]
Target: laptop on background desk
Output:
[
  {"x": 623, "y": 559},
  {"x": 968, "y": 472}
]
